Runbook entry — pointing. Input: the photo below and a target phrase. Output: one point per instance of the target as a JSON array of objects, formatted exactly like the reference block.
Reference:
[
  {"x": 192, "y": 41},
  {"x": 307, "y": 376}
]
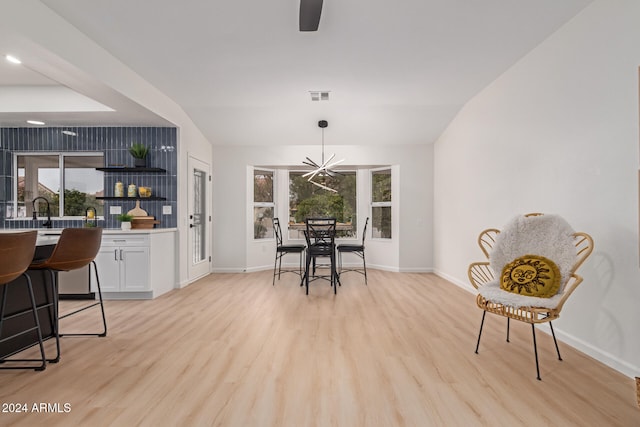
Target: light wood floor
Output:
[{"x": 231, "y": 350}]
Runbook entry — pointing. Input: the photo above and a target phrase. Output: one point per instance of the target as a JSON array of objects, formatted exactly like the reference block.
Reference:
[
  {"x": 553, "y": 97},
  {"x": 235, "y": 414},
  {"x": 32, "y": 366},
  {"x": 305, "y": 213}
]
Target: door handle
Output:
[
  {"x": 115, "y": 254},
  {"x": 121, "y": 255}
]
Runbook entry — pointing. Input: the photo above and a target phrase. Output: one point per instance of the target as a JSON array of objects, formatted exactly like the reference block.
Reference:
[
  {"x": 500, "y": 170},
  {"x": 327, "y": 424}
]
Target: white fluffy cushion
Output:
[{"x": 549, "y": 236}]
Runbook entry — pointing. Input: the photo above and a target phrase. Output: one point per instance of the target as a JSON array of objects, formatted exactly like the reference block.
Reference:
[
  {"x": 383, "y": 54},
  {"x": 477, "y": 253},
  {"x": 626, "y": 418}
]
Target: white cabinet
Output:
[{"x": 136, "y": 265}]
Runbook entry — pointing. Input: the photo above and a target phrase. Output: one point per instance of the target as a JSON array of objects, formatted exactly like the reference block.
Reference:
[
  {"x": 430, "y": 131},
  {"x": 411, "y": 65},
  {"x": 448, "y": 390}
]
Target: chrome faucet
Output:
[{"x": 47, "y": 223}]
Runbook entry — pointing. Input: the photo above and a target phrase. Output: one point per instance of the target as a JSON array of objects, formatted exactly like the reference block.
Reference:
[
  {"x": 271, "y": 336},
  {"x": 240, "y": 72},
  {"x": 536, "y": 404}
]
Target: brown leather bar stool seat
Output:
[
  {"x": 76, "y": 248},
  {"x": 16, "y": 253}
]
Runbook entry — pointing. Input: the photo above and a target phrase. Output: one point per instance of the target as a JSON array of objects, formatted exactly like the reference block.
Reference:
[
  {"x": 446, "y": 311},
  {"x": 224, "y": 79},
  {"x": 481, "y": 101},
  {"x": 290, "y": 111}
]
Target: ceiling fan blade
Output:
[{"x": 310, "y": 11}]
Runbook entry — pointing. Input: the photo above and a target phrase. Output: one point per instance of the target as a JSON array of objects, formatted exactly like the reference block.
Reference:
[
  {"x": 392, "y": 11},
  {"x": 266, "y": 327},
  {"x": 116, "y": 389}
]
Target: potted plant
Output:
[
  {"x": 139, "y": 153},
  {"x": 125, "y": 221}
]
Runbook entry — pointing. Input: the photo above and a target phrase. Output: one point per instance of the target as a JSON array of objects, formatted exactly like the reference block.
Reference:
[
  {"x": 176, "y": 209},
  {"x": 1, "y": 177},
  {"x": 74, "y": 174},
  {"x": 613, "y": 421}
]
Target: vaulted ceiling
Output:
[{"x": 397, "y": 72}]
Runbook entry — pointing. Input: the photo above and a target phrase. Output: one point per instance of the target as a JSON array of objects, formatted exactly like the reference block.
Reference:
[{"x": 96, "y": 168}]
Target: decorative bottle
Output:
[
  {"x": 119, "y": 189},
  {"x": 132, "y": 190}
]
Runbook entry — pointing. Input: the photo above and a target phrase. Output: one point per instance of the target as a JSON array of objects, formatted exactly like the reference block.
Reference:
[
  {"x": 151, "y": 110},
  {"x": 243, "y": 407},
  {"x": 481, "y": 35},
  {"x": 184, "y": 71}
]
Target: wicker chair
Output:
[{"x": 527, "y": 309}]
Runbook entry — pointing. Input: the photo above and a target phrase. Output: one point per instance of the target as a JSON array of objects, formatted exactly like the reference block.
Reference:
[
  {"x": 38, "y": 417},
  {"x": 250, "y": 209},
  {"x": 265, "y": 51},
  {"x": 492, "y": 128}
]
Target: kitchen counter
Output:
[{"x": 49, "y": 236}]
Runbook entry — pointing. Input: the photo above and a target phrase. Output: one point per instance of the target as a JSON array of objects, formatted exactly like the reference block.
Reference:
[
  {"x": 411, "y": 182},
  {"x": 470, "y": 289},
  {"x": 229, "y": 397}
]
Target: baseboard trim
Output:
[{"x": 600, "y": 355}]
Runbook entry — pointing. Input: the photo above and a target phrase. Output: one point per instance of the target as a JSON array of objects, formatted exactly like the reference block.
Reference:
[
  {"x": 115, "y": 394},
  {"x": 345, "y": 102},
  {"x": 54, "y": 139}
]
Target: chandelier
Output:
[{"x": 323, "y": 169}]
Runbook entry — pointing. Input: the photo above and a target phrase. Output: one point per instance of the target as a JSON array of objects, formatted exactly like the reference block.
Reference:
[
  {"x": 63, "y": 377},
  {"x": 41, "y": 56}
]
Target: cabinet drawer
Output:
[{"x": 123, "y": 240}]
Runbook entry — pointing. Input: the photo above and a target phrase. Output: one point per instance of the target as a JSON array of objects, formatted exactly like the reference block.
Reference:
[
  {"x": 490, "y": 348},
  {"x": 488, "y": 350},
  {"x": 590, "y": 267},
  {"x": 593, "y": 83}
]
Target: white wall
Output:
[
  {"x": 557, "y": 133},
  {"x": 234, "y": 249}
]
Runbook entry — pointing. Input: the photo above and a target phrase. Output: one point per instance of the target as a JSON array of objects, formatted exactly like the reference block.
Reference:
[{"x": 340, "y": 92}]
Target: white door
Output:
[{"x": 199, "y": 218}]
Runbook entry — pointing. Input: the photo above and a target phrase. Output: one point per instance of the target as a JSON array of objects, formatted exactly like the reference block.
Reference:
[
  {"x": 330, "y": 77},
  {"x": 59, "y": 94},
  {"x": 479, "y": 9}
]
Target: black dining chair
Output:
[
  {"x": 282, "y": 250},
  {"x": 320, "y": 234},
  {"x": 354, "y": 249}
]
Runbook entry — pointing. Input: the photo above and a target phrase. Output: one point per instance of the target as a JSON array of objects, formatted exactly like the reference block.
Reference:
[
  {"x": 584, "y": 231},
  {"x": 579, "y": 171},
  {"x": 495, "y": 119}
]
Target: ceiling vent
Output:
[{"x": 319, "y": 95}]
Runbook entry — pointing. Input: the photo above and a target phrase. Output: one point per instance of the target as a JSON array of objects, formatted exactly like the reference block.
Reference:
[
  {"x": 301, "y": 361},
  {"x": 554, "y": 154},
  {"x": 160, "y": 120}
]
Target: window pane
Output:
[
  {"x": 82, "y": 183},
  {"x": 199, "y": 218},
  {"x": 262, "y": 186},
  {"x": 263, "y": 222},
  {"x": 307, "y": 200},
  {"x": 381, "y": 186},
  {"x": 381, "y": 222},
  {"x": 38, "y": 176}
]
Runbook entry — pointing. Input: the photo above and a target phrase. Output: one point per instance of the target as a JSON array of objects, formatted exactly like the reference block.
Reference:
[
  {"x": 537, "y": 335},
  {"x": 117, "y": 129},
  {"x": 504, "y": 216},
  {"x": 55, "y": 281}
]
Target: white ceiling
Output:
[{"x": 398, "y": 71}]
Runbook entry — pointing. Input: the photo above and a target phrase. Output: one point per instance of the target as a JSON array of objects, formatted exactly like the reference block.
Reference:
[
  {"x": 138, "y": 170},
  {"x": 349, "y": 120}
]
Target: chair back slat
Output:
[
  {"x": 487, "y": 239},
  {"x": 320, "y": 231},
  {"x": 278, "y": 231},
  {"x": 584, "y": 247},
  {"x": 364, "y": 230}
]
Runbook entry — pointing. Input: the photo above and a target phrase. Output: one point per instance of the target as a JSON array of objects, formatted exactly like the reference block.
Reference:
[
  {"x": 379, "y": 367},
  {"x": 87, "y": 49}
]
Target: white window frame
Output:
[
  {"x": 388, "y": 204},
  {"x": 359, "y": 185},
  {"x": 61, "y": 155},
  {"x": 255, "y": 204}
]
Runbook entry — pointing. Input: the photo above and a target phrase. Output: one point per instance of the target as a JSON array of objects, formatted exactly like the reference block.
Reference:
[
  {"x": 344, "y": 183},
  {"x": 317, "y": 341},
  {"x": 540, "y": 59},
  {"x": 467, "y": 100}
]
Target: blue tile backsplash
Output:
[{"x": 114, "y": 143}]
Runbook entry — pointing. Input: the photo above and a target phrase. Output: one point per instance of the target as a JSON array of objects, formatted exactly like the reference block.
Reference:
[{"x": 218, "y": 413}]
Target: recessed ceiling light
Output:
[
  {"x": 35, "y": 122},
  {"x": 13, "y": 59},
  {"x": 69, "y": 132}
]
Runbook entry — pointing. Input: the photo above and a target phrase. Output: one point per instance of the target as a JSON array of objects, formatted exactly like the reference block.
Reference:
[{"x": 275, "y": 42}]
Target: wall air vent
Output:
[{"x": 319, "y": 95}]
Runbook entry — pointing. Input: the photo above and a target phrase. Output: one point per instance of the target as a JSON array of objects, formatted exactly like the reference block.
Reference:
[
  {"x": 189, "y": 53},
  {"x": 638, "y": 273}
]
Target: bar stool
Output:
[
  {"x": 16, "y": 252},
  {"x": 76, "y": 248}
]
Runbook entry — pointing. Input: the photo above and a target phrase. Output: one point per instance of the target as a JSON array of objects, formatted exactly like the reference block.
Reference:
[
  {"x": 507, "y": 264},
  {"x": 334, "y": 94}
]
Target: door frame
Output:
[{"x": 202, "y": 269}]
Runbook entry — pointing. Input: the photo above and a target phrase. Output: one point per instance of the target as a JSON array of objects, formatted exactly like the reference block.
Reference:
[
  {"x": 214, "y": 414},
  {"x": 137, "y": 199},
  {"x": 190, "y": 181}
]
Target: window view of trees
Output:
[
  {"x": 263, "y": 204},
  {"x": 39, "y": 176},
  {"x": 381, "y": 203},
  {"x": 307, "y": 200}
]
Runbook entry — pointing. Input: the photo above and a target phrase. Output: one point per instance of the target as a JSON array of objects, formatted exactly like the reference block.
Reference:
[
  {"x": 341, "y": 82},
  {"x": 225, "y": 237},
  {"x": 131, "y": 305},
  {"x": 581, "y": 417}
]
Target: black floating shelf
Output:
[
  {"x": 131, "y": 198},
  {"x": 131, "y": 170}
]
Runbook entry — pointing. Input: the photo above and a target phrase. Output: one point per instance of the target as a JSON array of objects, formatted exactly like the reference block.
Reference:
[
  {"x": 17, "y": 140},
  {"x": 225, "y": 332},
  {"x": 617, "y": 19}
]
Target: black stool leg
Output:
[
  {"x": 100, "y": 303},
  {"x": 364, "y": 265},
  {"x": 36, "y": 327},
  {"x": 35, "y": 318},
  {"x": 535, "y": 350},
  {"x": 56, "y": 317},
  {"x": 554, "y": 341},
  {"x": 275, "y": 267},
  {"x": 484, "y": 313},
  {"x": 508, "y": 329}
]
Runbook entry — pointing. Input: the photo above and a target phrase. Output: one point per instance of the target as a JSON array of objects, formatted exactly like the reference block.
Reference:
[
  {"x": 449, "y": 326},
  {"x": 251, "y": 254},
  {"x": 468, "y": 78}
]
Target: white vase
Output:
[{"x": 125, "y": 225}]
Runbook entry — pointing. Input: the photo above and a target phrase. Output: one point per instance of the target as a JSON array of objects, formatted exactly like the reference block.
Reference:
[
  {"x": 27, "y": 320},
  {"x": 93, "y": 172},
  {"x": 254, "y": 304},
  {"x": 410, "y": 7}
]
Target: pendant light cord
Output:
[{"x": 322, "y": 147}]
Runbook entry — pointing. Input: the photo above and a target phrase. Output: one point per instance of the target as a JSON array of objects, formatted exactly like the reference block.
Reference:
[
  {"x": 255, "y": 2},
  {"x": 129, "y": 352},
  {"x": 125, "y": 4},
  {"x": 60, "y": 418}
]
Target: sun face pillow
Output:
[{"x": 531, "y": 275}]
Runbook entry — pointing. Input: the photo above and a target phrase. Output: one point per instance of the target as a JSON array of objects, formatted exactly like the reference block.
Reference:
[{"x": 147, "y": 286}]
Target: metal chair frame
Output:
[
  {"x": 357, "y": 250},
  {"x": 282, "y": 250},
  {"x": 320, "y": 235}
]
